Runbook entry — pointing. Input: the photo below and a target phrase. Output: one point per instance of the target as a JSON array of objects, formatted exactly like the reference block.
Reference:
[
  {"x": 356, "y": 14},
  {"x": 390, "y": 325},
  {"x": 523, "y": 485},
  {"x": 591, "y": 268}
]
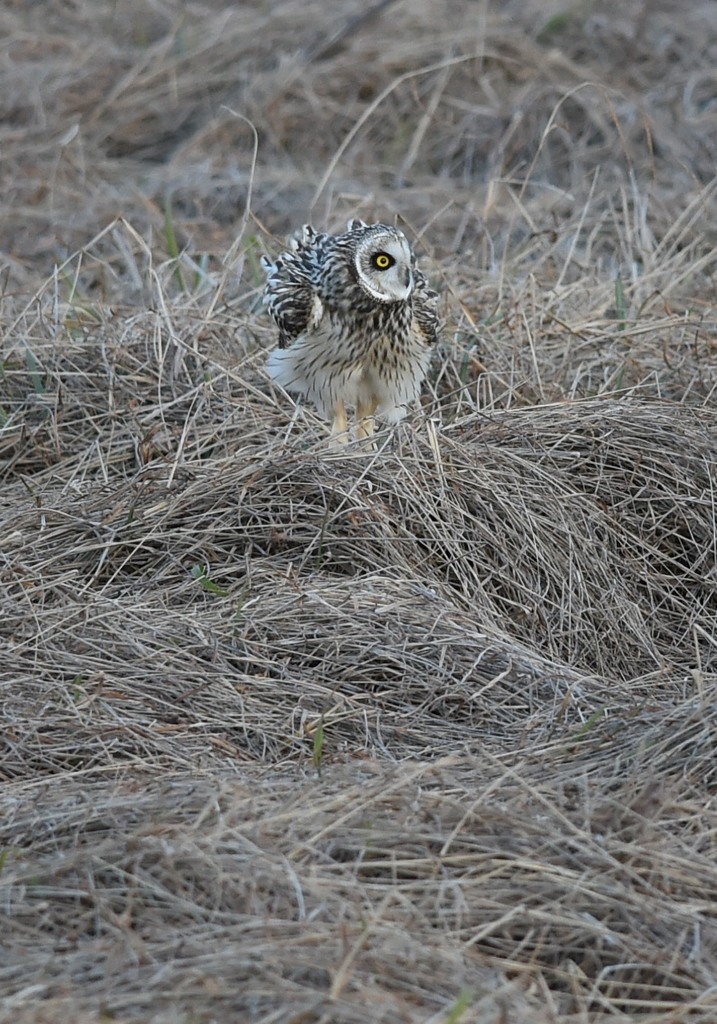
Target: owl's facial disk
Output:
[{"x": 383, "y": 265}]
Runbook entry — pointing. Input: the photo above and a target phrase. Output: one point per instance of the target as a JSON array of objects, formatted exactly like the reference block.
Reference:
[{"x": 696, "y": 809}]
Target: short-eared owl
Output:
[{"x": 356, "y": 323}]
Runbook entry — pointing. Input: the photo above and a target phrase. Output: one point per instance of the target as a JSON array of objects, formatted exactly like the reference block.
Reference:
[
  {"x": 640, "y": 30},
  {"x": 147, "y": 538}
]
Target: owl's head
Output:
[{"x": 383, "y": 261}]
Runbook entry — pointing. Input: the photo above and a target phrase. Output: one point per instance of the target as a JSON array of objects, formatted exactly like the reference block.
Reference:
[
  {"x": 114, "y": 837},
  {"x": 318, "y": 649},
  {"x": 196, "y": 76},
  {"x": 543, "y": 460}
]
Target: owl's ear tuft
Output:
[{"x": 355, "y": 224}]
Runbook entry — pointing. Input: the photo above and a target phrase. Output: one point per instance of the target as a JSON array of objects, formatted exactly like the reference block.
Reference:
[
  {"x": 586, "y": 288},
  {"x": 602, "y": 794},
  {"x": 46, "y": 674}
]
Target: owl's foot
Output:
[
  {"x": 339, "y": 426},
  {"x": 366, "y": 424}
]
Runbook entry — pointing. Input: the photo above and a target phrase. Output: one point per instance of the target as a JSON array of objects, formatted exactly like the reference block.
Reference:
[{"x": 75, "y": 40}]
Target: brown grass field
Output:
[{"x": 420, "y": 736}]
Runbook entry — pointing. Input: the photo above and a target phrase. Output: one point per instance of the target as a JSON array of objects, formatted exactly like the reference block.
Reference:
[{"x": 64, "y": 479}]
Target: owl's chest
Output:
[{"x": 373, "y": 336}]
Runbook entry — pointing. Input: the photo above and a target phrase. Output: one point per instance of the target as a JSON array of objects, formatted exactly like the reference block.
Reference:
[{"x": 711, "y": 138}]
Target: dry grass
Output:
[{"x": 425, "y": 735}]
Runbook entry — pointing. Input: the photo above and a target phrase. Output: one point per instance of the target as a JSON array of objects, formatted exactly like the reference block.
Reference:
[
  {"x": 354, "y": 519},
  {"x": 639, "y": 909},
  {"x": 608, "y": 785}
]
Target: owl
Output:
[{"x": 356, "y": 322}]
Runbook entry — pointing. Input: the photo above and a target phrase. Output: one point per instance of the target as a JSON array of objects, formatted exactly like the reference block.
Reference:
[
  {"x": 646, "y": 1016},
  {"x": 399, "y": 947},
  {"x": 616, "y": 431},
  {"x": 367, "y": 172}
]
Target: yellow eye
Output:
[{"x": 382, "y": 261}]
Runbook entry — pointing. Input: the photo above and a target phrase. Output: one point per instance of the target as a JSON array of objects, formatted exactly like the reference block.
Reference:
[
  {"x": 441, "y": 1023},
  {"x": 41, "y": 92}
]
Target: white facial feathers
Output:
[{"x": 384, "y": 264}]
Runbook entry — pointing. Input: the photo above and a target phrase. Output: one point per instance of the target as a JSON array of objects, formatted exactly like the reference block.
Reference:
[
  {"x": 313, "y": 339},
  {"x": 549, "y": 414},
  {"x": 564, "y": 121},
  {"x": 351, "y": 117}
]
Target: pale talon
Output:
[
  {"x": 339, "y": 425},
  {"x": 366, "y": 422}
]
